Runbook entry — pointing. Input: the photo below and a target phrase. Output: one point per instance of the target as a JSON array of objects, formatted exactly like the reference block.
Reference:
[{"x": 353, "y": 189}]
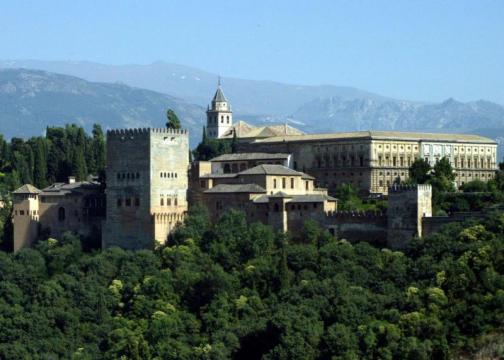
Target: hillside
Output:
[
  {"x": 249, "y": 97},
  {"x": 59, "y": 99},
  {"x": 31, "y": 100}
]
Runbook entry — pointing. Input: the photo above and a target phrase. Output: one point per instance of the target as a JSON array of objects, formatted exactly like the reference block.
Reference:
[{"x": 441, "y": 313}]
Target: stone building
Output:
[
  {"x": 78, "y": 207},
  {"x": 146, "y": 186},
  {"x": 269, "y": 193},
  {"x": 372, "y": 160}
]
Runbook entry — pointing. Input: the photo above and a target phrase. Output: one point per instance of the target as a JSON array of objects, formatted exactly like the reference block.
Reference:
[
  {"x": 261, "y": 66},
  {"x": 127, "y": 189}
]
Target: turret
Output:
[
  {"x": 219, "y": 115},
  {"x": 25, "y": 216}
]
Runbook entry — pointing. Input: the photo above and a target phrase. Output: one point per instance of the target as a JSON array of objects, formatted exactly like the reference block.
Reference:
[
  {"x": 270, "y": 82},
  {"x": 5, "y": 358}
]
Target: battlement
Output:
[
  {"x": 396, "y": 188},
  {"x": 144, "y": 131},
  {"x": 356, "y": 214}
]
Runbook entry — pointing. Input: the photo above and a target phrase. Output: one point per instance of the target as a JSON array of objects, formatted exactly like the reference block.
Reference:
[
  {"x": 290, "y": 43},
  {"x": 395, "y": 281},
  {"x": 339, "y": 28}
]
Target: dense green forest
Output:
[
  {"x": 238, "y": 290},
  {"x": 43, "y": 160}
]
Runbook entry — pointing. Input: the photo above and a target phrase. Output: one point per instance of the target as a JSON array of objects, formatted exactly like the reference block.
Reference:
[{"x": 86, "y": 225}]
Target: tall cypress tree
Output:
[
  {"x": 99, "y": 149},
  {"x": 40, "y": 165},
  {"x": 79, "y": 169}
]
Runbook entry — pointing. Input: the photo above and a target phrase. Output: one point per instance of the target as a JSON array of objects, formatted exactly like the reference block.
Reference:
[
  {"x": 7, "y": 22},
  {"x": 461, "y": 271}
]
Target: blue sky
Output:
[{"x": 418, "y": 50}]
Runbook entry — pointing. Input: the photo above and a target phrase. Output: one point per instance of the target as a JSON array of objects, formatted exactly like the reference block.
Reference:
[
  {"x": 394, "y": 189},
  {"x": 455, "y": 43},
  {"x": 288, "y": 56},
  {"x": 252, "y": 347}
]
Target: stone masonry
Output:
[{"x": 146, "y": 186}]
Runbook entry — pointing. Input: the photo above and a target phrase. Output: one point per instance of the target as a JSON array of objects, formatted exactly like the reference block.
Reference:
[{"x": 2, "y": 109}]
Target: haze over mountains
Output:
[{"x": 137, "y": 95}]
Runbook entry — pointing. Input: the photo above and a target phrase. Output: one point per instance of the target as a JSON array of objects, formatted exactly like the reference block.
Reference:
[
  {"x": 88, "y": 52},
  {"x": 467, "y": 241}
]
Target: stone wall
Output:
[{"x": 358, "y": 226}]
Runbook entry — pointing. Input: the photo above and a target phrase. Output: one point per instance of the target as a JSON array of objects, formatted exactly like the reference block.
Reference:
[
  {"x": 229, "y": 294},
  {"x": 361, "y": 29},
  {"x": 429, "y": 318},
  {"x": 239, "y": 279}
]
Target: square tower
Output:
[
  {"x": 147, "y": 181},
  {"x": 407, "y": 206}
]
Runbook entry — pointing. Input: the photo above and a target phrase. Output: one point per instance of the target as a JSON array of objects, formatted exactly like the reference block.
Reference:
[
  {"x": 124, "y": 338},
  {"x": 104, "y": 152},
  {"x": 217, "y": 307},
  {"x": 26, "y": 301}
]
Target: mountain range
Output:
[{"x": 56, "y": 92}]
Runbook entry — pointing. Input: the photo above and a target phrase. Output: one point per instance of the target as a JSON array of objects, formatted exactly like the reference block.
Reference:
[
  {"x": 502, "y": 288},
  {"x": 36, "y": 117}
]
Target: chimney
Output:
[{"x": 71, "y": 179}]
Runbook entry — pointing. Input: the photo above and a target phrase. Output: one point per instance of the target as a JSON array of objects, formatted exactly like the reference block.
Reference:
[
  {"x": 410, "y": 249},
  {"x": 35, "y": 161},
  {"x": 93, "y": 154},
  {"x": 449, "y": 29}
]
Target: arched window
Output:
[{"x": 61, "y": 214}]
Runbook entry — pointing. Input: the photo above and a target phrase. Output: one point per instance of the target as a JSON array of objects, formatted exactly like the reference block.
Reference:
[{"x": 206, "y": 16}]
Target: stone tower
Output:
[
  {"x": 219, "y": 115},
  {"x": 25, "y": 216},
  {"x": 407, "y": 205},
  {"x": 147, "y": 182}
]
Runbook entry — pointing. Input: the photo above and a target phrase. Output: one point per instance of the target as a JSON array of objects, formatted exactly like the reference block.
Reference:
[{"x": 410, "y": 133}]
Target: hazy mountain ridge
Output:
[
  {"x": 365, "y": 114},
  {"x": 31, "y": 100},
  {"x": 310, "y": 108},
  {"x": 197, "y": 86}
]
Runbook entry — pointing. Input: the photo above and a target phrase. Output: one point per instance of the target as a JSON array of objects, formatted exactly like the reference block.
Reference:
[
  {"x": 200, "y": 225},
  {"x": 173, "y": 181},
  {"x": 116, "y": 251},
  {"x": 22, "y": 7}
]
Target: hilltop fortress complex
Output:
[{"x": 278, "y": 176}]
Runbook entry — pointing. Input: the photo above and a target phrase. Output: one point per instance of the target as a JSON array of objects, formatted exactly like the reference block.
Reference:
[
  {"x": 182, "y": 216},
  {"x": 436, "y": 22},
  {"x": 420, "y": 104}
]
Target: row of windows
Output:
[
  {"x": 342, "y": 160},
  {"x": 292, "y": 183},
  {"x": 386, "y": 161},
  {"x": 168, "y": 175},
  {"x": 401, "y": 147},
  {"x": 342, "y": 174},
  {"x": 232, "y": 168},
  {"x": 213, "y": 119},
  {"x": 27, "y": 212},
  {"x": 127, "y": 202},
  {"x": 128, "y": 176},
  {"x": 168, "y": 202},
  {"x": 339, "y": 148},
  {"x": 473, "y": 163}
]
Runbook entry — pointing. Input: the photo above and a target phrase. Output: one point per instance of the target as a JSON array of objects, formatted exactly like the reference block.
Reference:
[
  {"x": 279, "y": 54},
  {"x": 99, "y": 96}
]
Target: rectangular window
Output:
[
  {"x": 119, "y": 202},
  {"x": 283, "y": 183},
  {"x": 292, "y": 183},
  {"x": 307, "y": 185},
  {"x": 202, "y": 183},
  {"x": 137, "y": 202},
  {"x": 274, "y": 183},
  {"x": 21, "y": 212},
  {"x": 128, "y": 202}
]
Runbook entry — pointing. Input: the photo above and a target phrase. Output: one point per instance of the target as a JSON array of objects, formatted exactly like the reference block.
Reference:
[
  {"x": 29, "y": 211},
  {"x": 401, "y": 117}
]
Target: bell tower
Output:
[{"x": 219, "y": 115}]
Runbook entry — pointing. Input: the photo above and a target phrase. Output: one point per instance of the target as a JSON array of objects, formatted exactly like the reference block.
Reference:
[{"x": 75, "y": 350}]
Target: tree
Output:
[
  {"x": 40, "y": 165},
  {"x": 99, "y": 150},
  {"x": 419, "y": 171},
  {"x": 443, "y": 169},
  {"x": 173, "y": 121}
]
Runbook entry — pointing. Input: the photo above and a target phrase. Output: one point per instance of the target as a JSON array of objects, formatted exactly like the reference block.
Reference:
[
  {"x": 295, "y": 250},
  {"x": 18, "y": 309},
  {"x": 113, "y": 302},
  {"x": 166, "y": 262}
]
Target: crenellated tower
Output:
[
  {"x": 219, "y": 115},
  {"x": 147, "y": 181}
]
